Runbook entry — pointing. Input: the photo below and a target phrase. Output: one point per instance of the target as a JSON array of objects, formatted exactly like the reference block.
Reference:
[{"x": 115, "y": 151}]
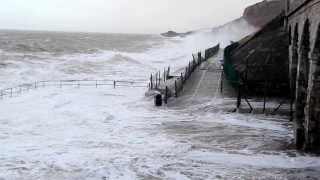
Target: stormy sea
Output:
[{"x": 117, "y": 133}]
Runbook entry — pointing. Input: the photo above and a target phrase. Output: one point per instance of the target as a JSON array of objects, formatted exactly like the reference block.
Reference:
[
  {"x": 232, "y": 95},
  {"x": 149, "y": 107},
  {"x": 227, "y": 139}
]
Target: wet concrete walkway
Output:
[
  {"x": 119, "y": 134},
  {"x": 204, "y": 86},
  {"x": 239, "y": 146}
]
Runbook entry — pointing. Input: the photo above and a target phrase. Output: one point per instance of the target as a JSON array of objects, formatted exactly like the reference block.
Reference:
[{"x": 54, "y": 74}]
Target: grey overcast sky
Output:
[{"x": 122, "y": 16}]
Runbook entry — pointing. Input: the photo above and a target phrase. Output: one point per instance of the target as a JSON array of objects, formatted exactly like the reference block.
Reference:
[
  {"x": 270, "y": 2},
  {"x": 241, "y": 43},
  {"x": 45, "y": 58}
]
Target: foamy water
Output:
[
  {"x": 32, "y": 56},
  {"x": 106, "y": 133}
]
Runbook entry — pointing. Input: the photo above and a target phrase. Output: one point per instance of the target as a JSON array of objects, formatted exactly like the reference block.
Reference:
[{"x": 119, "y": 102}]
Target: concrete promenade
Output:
[{"x": 204, "y": 86}]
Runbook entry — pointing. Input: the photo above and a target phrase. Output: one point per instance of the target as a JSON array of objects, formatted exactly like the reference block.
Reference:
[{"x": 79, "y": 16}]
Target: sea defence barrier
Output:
[{"x": 168, "y": 85}]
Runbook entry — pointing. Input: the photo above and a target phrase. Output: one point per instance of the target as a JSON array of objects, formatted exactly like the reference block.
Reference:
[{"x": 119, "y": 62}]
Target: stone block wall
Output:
[{"x": 304, "y": 27}]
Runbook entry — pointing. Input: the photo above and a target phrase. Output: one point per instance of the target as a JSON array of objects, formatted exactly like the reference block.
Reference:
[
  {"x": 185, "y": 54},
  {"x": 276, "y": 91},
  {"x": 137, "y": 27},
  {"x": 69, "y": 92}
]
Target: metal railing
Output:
[
  {"x": 26, "y": 87},
  {"x": 171, "y": 86}
]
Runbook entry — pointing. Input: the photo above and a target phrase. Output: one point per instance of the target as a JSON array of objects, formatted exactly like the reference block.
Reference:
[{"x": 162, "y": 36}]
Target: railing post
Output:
[
  {"x": 239, "y": 96},
  {"x": 166, "y": 96},
  {"x": 35, "y": 84},
  {"x": 151, "y": 82},
  {"x": 192, "y": 66},
  {"x": 221, "y": 82},
  {"x": 191, "y": 63},
  {"x": 206, "y": 54},
  {"x": 157, "y": 80},
  {"x": 291, "y": 106},
  {"x": 265, "y": 97},
  {"x": 175, "y": 88},
  {"x": 181, "y": 77},
  {"x": 193, "y": 57},
  {"x": 114, "y": 84},
  {"x": 185, "y": 74}
]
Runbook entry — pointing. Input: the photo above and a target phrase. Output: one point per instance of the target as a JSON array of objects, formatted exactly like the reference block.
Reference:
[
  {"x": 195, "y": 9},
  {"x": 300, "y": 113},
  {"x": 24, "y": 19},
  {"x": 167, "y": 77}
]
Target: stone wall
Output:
[
  {"x": 304, "y": 54},
  {"x": 261, "y": 60},
  {"x": 293, "y": 4},
  {"x": 263, "y": 12}
]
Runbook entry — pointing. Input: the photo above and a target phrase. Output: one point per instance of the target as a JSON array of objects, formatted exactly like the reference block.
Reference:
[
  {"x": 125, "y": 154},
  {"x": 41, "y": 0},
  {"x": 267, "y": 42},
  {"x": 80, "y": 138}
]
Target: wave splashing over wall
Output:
[{"x": 106, "y": 133}]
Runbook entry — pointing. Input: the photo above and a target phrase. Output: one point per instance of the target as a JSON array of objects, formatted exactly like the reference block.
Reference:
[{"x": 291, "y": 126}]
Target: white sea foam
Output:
[
  {"x": 255, "y": 161},
  {"x": 161, "y": 52},
  {"x": 106, "y": 133}
]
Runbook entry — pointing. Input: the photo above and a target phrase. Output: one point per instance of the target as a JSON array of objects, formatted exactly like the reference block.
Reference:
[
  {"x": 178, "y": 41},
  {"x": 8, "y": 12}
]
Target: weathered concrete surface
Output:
[
  {"x": 204, "y": 87},
  {"x": 204, "y": 84},
  {"x": 303, "y": 26},
  {"x": 261, "y": 60},
  {"x": 261, "y": 13},
  {"x": 230, "y": 137}
]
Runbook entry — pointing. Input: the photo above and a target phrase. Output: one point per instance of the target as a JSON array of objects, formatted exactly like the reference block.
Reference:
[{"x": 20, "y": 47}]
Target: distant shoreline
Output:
[{"x": 72, "y": 32}]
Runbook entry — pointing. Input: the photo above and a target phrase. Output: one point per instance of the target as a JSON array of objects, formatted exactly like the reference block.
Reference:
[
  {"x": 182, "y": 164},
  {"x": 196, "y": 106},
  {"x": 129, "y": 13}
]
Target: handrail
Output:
[
  {"x": 19, "y": 89},
  {"x": 171, "y": 85}
]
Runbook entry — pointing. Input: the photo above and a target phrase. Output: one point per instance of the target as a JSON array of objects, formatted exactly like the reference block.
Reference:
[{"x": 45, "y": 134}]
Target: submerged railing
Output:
[{"x": 26, "y": 87}]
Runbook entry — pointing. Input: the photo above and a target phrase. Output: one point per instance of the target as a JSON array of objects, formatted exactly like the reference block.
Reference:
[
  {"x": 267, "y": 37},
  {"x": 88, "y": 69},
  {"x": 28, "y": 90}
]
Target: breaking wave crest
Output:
[
  {"x": 29, "y": 48},
  {"x": 29, "y": 56}
]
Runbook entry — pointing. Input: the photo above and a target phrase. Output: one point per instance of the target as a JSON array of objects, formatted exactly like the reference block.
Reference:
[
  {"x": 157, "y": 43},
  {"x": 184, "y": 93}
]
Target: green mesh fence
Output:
[{"x": 229, "y": 70}]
